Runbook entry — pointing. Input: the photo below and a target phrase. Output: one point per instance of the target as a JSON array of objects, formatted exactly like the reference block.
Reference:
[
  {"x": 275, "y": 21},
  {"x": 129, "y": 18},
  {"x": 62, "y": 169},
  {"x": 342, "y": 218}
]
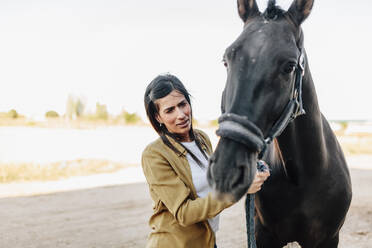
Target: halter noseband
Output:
[{"x": 244, "y": 131}]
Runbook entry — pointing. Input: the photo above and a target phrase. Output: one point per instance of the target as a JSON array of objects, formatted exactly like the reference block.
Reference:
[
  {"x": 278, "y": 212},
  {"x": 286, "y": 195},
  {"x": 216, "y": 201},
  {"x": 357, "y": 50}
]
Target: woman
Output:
[{"x": 186, "y": 214}]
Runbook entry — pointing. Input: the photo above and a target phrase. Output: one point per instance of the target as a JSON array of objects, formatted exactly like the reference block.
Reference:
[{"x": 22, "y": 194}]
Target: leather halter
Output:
[{"x": 241, "y": 129}]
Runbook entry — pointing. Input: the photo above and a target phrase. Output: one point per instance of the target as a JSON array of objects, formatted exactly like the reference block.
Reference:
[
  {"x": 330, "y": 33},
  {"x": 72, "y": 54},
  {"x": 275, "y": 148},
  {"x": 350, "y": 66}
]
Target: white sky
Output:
[{"x": 109, "y": 50}]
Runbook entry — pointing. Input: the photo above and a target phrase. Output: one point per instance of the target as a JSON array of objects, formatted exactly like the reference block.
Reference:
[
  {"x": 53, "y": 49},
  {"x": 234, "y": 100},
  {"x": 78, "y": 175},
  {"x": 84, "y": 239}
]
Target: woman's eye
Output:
[{"x": 289, "y": 68}]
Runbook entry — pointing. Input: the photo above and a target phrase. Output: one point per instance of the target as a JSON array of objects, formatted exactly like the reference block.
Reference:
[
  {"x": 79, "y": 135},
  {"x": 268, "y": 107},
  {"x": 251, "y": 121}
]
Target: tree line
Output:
[{"x": 76, "y": 110}]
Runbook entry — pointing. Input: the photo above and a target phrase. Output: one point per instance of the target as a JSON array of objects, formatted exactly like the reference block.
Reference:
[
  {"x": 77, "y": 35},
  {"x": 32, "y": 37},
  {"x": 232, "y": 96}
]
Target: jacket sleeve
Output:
[{"x": 173, "y": 192}]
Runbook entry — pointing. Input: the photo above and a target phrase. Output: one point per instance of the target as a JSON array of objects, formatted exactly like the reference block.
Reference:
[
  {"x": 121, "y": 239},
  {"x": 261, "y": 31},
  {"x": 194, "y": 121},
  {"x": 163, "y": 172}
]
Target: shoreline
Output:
[{"x": 124, "y": 176}]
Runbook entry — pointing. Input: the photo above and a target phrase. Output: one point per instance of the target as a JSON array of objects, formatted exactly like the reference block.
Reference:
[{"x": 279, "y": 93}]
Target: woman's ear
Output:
[{"x": 158, "y": 118}]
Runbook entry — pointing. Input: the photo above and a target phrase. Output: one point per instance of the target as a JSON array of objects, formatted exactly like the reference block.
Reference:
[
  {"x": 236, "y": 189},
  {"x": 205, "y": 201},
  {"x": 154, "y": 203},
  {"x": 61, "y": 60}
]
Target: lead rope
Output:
[
  {"x": 250, "y": 211},
  {"x": 249, "y": 216}
]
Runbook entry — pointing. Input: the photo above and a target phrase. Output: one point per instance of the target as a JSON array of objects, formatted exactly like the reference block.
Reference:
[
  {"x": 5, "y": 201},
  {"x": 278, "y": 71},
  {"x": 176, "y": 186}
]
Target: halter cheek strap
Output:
[
  {"x": 294, "y": 107},
  {"x": 244, "y": 131}
]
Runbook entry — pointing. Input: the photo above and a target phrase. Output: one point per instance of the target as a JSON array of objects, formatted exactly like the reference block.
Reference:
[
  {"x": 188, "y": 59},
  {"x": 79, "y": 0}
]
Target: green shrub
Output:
[
  {"x": 130, "y": 118},
  {"x": 13, "y": 114},
  {"x": 51, "y": 114},
  {"x": 101, "y": 111},
  {"x": 75, "y": 107},
  {"x": 344, "y": 125}
]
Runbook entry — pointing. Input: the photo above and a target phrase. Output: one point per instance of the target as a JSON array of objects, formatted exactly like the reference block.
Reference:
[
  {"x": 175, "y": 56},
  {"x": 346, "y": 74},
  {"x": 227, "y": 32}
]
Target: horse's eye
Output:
[
  {"x": 289, "y": 68},
  {"x": 225, "y": 63}
]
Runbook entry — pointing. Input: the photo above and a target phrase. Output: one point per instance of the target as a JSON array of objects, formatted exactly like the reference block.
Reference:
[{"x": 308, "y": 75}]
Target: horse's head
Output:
[{"x": 261, "y": 76}]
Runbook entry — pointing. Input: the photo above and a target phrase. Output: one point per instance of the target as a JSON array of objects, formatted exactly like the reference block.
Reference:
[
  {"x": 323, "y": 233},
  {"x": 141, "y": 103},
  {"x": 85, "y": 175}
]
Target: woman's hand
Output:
[{"x": 259, "y": 179}]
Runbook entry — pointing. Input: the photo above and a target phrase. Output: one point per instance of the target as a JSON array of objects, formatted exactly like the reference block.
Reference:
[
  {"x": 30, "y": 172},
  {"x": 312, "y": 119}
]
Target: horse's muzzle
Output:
[{"x": 232, "y": 173}]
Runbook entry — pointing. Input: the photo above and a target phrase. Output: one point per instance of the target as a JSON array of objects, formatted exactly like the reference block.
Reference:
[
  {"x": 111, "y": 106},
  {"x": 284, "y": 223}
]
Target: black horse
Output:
[{"x": 308, "y": 194}]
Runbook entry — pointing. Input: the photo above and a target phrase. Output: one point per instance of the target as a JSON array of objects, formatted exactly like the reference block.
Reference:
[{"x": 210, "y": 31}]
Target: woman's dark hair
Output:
[{"x": 160, "y": 87}]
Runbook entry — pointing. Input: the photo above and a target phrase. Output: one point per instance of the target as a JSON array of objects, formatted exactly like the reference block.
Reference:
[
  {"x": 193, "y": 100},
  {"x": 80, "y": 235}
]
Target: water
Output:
[
  {"x": 42, "y": 145},
  {"x": 45, "y": 145}
]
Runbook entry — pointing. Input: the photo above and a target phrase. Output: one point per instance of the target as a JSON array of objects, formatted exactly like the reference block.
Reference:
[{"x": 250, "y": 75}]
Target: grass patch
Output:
[
  {"x": 17, "y": 172},
  {"x": 356, "y": 143}
]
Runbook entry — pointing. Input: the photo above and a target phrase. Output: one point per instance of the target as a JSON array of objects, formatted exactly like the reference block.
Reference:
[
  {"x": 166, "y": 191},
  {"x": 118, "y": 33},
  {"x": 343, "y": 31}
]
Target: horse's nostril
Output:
[
  {"x": 211, "y": 159},
  {"x": 238, "y": 177}
]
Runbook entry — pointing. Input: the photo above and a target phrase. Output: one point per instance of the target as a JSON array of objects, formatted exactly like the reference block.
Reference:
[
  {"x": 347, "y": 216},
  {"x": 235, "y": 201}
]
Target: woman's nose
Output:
[{"x": 180, "y": 114}]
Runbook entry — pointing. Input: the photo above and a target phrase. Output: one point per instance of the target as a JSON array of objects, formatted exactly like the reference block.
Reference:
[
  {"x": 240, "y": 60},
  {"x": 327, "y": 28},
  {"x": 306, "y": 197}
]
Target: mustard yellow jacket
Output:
[{"x": 179, "y": 217}]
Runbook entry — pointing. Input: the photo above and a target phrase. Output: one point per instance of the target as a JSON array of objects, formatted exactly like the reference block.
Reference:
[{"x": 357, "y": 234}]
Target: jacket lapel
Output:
[{"x": 181, "y": 165}]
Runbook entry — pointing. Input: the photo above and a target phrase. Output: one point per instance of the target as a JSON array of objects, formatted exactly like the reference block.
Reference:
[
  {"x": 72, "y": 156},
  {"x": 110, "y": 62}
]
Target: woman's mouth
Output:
[{"x": 183, "y": 124}]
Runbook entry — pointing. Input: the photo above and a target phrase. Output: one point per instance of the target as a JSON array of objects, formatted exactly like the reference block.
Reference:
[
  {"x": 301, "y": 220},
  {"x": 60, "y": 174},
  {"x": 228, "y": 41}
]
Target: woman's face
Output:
[{"x": 175, "y": 114}]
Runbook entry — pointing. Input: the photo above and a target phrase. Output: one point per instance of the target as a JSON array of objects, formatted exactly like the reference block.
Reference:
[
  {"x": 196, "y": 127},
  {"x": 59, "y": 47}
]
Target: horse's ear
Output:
[
  {"x": 300, "y": 10},
  {"x": 247, "y": 9}
]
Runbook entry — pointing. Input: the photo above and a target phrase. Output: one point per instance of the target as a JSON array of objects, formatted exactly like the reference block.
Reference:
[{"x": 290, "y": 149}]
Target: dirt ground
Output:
[{"x": 116, "y": 217}]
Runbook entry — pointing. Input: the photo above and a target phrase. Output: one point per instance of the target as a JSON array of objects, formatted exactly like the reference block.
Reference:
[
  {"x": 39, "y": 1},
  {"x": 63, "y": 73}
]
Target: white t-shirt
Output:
[{"x": 199, "y": 177}]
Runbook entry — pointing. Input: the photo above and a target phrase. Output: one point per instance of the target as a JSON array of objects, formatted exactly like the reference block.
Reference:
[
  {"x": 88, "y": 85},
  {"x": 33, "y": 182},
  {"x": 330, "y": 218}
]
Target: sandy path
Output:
[{"x": 116, "y": 217}]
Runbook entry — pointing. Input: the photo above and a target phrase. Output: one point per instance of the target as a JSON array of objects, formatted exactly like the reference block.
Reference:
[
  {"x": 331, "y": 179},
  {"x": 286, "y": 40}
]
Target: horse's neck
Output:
[{"x": 302, "y": 143}]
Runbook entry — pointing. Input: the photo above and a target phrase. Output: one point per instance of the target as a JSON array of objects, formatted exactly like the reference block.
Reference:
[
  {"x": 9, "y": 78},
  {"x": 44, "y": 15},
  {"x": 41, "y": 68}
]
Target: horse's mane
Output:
[
  {"x": 273, "y": 11},
  {"x": 276, "y": 157},
  {"x": 278, "y": 153}
]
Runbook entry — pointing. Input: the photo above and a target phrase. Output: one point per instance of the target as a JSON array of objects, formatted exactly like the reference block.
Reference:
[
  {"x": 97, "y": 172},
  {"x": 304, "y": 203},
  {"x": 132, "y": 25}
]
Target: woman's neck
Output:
[
  {"x": 180, "y": 137},
  {"x": 184, "y": 138}
]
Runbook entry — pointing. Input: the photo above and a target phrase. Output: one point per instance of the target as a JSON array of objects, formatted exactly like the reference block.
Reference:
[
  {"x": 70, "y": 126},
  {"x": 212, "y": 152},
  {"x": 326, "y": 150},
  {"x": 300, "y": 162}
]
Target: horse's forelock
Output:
[
  {"x": 273, "y": 11},
  {"x": 271, "y": 4}
]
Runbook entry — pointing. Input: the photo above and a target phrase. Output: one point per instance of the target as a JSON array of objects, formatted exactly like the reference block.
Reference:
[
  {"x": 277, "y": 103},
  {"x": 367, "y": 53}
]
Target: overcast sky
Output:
[{"x": 109, "y": 50}]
